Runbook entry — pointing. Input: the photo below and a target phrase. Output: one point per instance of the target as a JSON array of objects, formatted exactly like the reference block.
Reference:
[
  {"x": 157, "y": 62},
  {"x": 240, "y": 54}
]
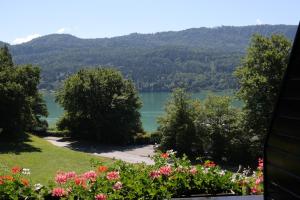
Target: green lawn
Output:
[{"x": 43, "y": 158}]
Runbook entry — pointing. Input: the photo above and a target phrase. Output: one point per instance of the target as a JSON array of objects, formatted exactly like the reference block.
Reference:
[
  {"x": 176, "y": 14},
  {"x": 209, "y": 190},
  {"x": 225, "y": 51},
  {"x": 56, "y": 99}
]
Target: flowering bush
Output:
[{"x": 168, "y": 177}]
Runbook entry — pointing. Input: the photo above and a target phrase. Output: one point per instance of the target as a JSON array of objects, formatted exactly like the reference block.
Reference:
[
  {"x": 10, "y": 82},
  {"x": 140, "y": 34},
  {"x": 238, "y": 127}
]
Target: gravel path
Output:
[{"x": 131, "y": 154}]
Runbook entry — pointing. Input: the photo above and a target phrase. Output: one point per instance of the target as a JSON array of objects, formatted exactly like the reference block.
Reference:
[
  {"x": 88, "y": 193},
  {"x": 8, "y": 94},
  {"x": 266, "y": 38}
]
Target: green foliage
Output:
[
  {"x": 198, "y": 58},
  {"x": 220, "y": 130},
  {"x": 99, "y": 104},
  {"x": 212, "y": 129},
  {"x": 260, "y": 76},
  {"x": 177, "y": 126},
  {"x": 21, "y": 105}
]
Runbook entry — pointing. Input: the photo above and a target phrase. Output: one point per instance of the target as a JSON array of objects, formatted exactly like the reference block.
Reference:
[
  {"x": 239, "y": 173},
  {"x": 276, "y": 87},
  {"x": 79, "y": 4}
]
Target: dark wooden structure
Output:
[{"x": 282, "y": 147}]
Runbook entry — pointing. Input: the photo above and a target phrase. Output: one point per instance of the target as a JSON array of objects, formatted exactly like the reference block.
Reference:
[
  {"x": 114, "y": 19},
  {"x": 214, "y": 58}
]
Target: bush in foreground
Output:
[{"x": 168, "y": 177}]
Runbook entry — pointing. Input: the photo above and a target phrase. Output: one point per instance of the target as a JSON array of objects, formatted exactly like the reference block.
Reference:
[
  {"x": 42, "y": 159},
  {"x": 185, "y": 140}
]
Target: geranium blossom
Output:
[
  {"x": 114, "y": 175},
  {"x": 90, "y": 175},
  {"x": 165, "y": 170},
  {"x": 70, "y": 175},
  {"x": 193, "y": 170},
  {"x": 16, "y": 169},
  {"x": 209, "y": 164},
  {"x": 26, "y": 171},
  {"x": 102, "y": 169},
  {"x": 155, "y": 174},
  {"x": 37, "y": 186},
  {"x": 61, "y": 178},
  {"x": 100, "y": 197},
  {"x": 164, "y": 155},
  {"x": 118, "y": 185},
  {"x": 81, "y": 181},
  {"x": 58, "y": 192},
  {"x": 25, "y": 182}
]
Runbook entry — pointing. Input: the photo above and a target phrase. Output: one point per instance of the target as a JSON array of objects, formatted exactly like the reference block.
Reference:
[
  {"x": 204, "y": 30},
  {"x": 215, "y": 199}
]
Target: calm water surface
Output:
[{"x": 153, "y": 106}]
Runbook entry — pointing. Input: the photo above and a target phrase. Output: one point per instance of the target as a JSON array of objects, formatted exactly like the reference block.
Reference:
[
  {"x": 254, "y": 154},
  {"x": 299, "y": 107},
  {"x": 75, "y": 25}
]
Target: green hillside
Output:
[{"x": 198, "y": 58}]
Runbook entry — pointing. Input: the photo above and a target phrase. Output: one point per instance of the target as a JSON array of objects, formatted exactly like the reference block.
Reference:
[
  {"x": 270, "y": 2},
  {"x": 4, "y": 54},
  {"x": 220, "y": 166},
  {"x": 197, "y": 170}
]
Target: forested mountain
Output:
[{"x": 198, "y": 58}]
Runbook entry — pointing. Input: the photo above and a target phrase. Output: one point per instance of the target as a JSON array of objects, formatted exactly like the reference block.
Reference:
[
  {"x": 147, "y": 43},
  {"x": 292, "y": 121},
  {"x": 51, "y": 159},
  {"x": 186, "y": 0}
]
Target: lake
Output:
[{"x": 153, "y": 106}]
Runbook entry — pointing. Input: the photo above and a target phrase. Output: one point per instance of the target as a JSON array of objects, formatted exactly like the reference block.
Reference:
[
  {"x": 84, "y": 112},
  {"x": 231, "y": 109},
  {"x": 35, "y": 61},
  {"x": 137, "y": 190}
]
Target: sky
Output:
[{"x": 22, "y": 21}]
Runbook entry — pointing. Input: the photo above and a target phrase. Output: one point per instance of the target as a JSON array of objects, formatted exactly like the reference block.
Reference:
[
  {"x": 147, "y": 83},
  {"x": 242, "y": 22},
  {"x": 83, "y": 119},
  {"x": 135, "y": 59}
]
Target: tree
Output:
[
  {"x": 99, "y": 104},
  {"x": 259, "y": 77},
  {"x": 218, "y": 126},
  {"x": 177, "y": 125},
  {"x": 21, "y": 105},
  {"x": 5, "y": 58}
]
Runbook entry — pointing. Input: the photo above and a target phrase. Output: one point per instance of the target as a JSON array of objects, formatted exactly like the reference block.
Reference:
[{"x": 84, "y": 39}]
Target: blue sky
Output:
[{"x": 23, "y": 20}]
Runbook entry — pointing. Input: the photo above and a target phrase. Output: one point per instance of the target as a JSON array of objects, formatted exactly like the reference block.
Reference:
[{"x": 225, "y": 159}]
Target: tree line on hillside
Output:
[
  {"x": 199, "y": 58},
  {"x": 101, "y": 105}
]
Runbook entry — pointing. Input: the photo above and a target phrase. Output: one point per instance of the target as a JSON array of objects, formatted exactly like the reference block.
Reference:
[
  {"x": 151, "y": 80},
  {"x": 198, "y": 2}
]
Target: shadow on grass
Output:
[
  {"x": 17, "y": 146},
  {"x": 94, "y": 147}
]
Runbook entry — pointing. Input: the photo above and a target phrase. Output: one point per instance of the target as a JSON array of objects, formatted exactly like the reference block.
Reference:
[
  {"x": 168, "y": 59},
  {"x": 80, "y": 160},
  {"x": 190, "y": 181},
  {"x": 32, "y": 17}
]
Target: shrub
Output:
[{"x": 100, "y": 105}]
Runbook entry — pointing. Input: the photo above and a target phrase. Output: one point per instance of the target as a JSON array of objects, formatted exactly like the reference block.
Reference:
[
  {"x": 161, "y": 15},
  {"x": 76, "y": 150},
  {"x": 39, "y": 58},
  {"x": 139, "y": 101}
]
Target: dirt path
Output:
[{"x": 132, "y": 154}]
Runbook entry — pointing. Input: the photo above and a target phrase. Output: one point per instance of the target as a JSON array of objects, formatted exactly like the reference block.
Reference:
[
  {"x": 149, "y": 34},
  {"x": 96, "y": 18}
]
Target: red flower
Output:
[
  {"x": 9, "y": 178},
  {"x": 16, "y": 169},
  {"x": 165, "y": 170},
  {"x": 58, "y": 192},
  {"x": 80, "y": 181},
  {"x": 164, "y": 155},
  {"x": 102, "y": 169},
  {"x": 25, "y": 182},
  {"x": 209, "y": 164},
  {"x": 100, "y": 197},
  {"x": 114, "y": 175}
]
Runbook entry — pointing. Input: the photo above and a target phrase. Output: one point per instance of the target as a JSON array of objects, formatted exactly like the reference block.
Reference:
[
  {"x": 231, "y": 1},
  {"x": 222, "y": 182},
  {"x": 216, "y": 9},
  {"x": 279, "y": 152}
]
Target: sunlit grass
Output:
[{"x": 43, "y": 158}]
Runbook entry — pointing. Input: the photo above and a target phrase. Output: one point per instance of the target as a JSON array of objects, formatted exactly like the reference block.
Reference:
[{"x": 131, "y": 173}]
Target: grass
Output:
[{"x": 43, "y": 159}]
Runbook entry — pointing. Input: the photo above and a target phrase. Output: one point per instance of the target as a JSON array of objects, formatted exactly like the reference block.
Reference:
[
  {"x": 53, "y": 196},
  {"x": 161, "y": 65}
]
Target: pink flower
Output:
[
  {"x": 58, "y": 192},
  {"x": 100, "y": 197},
  {"x": 259, "y": 180},
  {"x": 193, "y": 170},
  {"x": 114, "y": 175},
  {"x": 260, "y": 164},
  {"x": 70, "y": 175},
  {"x": 254, "y": 190},
  {"x": 165, "y": 170},
  {"x": 90, "y": 175},
  {"x": 155, "y": 174},
  {"x": 61, "y": 178},
  {"x": 118, "y": 185}
]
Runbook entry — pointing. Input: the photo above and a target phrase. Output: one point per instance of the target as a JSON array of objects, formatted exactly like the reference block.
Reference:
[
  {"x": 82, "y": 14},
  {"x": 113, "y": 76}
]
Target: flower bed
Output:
[{"x": 168, "y": 177}]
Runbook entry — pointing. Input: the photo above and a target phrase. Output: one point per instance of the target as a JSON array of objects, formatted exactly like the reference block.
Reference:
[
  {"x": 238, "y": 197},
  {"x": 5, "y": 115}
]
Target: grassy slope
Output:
[{"x": 43, "y": 158}]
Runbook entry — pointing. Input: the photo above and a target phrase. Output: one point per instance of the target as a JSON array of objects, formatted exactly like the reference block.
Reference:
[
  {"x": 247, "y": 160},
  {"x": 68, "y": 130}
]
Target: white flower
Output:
[
  {"x": 38, "y": 186},
  {"x": 206, "y": 170},
  {"x": 222, "y": 172},
  {"x": 26, "y": 171}
]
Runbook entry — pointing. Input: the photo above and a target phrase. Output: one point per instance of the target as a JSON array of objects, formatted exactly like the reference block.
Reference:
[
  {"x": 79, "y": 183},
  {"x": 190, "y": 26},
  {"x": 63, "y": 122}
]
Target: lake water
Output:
[{"x": 153, "y": 106}]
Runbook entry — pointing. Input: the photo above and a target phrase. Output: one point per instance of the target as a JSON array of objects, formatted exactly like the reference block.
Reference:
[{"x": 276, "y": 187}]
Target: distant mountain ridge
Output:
[{"x": 197, "y": 58}]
